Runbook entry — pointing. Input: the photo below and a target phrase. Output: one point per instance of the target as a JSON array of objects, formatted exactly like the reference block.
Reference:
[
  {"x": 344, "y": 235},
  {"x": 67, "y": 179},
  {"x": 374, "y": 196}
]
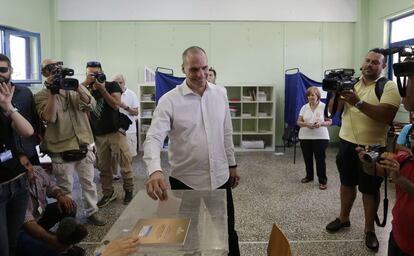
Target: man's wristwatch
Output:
[{"x": 359, "y": 104}]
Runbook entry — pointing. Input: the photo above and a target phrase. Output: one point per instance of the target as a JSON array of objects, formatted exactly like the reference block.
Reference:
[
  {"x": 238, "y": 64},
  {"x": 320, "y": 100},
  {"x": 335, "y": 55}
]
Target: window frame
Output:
[
  {"x": 6, "y": 32},
  {"x": 409, "y": 41}
]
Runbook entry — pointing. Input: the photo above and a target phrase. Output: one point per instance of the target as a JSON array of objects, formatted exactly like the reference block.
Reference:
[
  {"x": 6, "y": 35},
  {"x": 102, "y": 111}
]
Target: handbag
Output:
[{"x": 75, "y": 154}]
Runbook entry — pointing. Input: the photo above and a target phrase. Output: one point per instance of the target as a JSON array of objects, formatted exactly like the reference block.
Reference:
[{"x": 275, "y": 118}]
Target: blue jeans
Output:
[{"x": 13, "y": 204}]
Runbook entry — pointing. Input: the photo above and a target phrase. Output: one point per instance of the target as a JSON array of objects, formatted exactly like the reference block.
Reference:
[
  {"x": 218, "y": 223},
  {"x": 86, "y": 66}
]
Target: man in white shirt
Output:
[
  {"x": 196, "y": 117},
  {"x": 130, "y": 107}
]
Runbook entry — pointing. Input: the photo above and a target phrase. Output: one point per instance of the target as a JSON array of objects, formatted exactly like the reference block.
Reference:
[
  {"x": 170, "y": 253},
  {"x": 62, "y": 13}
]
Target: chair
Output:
[{"x": 278, "y": 244}]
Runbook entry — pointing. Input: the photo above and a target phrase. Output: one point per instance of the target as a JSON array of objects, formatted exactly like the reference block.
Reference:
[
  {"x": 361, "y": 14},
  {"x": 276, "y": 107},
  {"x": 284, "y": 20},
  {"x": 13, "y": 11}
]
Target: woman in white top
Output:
[{"x": 314, "y": 136}]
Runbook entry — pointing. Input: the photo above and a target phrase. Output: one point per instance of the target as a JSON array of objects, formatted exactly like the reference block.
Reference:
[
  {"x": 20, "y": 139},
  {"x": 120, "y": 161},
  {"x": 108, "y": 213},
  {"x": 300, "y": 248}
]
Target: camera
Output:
[
  {"x": 59, "y": 74},
  {"x": 373, "y": 153},
  {"x": 338, "y": 80},
  {"x": 101, "y": 77},
  {"x": 404, "y": 67}
]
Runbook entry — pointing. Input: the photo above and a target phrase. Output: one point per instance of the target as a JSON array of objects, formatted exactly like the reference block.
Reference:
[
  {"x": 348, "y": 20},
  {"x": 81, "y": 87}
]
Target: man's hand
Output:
[
  {"x": 66, "y": 204},
  {"x": 99, "y": 86},
  {"x": 156, "y": 186},
  {"x": 350, "y": 97},
  {"x": 122, "y": 247},
  {"x": 6, "y": 95},
  {"x": 391, "y": 165},
  {"x": 234, "y": 177}
]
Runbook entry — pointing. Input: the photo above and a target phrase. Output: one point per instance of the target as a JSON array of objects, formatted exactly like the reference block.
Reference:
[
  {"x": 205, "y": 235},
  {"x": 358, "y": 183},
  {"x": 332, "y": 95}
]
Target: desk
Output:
[{"x": 207, "y": 210}]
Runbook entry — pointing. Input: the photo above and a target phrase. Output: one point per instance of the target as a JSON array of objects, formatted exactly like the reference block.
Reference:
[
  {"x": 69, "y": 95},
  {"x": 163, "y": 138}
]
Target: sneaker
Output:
[
  {"x": 323, "y": 186},
  {"x": 128, "y": 197},
  {"x": 336, "y": 225},
  {"x": 107, "y": 199},
  {"x": 96, "y": 220}
]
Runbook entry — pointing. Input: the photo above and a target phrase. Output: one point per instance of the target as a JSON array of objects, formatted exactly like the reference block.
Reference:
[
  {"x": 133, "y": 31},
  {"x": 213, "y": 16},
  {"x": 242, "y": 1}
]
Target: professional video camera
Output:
[
  {"x": 59, "y": 74},
  {"x": 338, "y": 80},
  {"x": 404, "y": 67},
  {"x": 373, "y": 153},
  {"x": 101, "y": 77}
]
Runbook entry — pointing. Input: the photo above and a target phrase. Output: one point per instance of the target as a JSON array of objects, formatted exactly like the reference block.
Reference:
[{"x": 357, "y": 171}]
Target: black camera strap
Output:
[
  {"x": 385, "y": 201},
  {"x": 402, "y": 86}
]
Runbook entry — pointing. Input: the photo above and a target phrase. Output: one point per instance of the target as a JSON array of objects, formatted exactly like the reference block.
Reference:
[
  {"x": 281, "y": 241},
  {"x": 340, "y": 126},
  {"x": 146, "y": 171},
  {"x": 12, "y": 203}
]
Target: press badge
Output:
[{"x": 6, "y": 156}]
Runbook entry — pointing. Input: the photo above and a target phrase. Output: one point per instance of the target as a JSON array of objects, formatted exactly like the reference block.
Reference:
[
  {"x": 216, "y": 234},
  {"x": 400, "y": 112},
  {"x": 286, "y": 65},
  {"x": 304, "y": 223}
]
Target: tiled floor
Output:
[{"x": 271, "y": 192}]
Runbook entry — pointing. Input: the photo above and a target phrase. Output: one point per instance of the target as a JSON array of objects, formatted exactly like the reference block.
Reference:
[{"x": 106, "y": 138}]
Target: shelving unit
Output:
[
  {"x": 146, "y": 107},
  {"x": 253, "y": 117},
  {"x": 252, "y": 110}
]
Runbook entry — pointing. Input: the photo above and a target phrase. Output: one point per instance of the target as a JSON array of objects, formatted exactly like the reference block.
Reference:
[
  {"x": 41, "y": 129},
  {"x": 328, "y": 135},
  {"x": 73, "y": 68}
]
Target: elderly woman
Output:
[{"x": 314, "y": 136}]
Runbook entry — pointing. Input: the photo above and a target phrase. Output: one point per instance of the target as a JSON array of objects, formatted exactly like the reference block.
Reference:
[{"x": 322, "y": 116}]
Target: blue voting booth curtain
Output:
[
  {"x": 165, "y": 83},
  {"x": 295, "y": 97}
]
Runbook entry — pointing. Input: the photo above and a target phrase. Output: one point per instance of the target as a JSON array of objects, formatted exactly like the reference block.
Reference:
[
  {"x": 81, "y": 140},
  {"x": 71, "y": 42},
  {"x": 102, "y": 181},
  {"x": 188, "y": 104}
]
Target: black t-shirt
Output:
[
  {"x": 10, "y": 167},
  {"x": 105, "y": 119}
]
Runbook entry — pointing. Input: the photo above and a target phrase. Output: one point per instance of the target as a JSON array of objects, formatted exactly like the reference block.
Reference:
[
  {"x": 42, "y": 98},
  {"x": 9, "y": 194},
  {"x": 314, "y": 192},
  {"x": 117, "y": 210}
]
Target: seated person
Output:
[
  {"x": 35, "y": 237},
  {"x": 403, "y": 140}
]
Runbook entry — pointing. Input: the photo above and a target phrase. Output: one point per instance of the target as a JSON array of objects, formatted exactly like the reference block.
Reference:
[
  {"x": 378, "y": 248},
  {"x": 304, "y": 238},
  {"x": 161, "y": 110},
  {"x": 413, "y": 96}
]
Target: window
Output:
[{"x": 23, "y": 49}]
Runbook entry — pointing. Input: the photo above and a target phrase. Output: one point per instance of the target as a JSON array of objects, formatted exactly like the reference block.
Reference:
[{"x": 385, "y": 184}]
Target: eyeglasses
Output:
[
  {"x": 93, "y": 64},
  {"x": 4, "y": 69}
]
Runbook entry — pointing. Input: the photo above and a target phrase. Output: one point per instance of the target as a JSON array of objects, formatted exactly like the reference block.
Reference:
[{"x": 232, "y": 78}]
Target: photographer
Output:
[
  {"x": 109, "y": 126},
  {"x": 64, "y": 105},
  {"x": 400, "y": 170},
  {"x": 365, "y": 121}
]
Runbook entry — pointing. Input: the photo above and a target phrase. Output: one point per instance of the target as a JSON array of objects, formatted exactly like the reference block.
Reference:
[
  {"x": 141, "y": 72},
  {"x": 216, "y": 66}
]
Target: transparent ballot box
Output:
[{"x": 205, "y": 211}]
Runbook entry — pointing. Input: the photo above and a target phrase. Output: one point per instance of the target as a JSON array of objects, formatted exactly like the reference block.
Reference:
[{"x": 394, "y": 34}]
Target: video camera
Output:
[
  {"x": 338, "y": 80},
  {"x": 59, "y": 74},
  {"x": 405, "y": 65}
]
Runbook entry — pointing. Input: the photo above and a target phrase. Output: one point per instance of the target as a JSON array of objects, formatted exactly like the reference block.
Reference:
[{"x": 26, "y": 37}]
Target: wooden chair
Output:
[{"x": 278, "y": 243}]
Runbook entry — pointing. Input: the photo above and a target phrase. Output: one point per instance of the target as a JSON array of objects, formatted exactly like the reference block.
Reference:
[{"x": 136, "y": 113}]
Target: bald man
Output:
[{"x": 68, "y": 136}]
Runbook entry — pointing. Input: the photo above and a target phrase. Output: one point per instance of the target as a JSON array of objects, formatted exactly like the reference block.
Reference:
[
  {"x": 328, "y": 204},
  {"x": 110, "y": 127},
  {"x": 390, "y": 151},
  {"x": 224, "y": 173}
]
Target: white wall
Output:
[{"x": 211, "y": 10}]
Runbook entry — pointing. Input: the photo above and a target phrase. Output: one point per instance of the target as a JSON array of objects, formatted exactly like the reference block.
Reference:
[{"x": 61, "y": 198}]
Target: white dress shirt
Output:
[{"x": 200, "y": 132}]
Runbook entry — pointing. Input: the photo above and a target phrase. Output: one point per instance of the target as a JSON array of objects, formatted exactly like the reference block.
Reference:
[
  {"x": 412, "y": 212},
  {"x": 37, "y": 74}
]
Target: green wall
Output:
[
  {"x": 34, "y": 16},
  {"x": 241, "y": 52}
]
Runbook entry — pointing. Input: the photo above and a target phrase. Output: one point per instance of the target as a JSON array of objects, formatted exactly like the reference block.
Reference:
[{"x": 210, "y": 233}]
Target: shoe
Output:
[
  {"x": 116, "y": 177},
  {"x": 323, "y": 186},
  {"x": 336, "y": 225},
  {"x": 128, "y": 197},
  {"x": 306, "y": 180},
  {"x": 371, "y": 241},
  {"x": 96, "y": 220},
  {"x": 107, "y": 199}
]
